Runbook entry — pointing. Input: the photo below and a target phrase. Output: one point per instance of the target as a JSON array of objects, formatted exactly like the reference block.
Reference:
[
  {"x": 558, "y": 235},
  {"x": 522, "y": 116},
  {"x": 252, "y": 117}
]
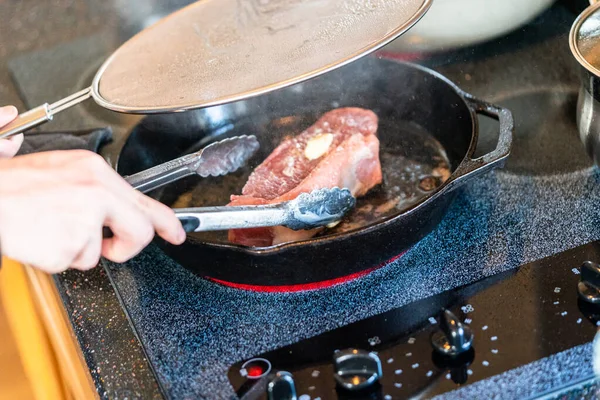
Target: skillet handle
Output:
[{"x": 471, "y": 167}]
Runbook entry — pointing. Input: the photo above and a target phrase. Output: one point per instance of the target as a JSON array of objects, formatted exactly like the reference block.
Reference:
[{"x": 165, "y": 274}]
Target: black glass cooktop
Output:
[{"x": 516, "y": 318}]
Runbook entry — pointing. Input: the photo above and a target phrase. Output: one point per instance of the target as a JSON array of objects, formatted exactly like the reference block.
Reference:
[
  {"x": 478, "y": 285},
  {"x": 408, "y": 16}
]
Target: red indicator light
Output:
[
  {"x": 255, "y": 368},
  {"x": 254, "y": 371}
]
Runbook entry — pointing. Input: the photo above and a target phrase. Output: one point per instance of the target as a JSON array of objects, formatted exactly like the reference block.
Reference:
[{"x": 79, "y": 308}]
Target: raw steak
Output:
[{"x": 341, "y": 149}]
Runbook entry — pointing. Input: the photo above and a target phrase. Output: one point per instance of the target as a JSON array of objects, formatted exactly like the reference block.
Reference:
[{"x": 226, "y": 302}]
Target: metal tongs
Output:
[
  {"x": 309, "y": 210},
  {"x": 216, "y": 159}
]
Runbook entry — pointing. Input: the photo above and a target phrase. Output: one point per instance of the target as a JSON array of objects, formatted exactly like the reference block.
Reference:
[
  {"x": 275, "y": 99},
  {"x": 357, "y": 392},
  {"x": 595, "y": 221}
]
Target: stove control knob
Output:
[
  {"x": 589, "y": 285},
  {"x": 453, "y": 338},
  {"x": 356, "y": 369},
  {"x": 281, "y": 387}
]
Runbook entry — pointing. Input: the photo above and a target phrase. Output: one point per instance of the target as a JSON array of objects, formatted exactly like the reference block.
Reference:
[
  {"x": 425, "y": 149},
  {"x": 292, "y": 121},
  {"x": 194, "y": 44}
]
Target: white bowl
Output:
[{"x": 451, "y": 24}]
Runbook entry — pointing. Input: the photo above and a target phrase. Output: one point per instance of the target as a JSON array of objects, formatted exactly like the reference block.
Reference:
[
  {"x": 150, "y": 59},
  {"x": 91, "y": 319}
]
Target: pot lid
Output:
[
  {"x": 585, "y": 39},
  {"x": 217, "y": 51}
]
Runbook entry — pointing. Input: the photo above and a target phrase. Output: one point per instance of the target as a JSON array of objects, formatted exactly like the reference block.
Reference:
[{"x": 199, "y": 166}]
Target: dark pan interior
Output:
[{"x": 425, "y": 130}]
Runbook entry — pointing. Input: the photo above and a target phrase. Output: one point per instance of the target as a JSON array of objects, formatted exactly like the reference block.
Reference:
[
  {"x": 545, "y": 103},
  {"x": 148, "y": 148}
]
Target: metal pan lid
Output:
[
  {"x": 217, "y": 51},
  {"x": 584, "y": 39}
]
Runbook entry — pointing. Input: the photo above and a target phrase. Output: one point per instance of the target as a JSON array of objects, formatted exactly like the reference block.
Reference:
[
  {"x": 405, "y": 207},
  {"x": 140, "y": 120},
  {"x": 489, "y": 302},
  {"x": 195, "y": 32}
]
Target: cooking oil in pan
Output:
[{"x": 414, "y": 164}]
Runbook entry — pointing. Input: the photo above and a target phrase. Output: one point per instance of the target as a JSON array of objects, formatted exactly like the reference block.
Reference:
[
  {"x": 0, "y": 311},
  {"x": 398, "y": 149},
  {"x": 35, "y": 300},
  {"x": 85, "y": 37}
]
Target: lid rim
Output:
[
  {"x": 265, "y": 88},
  {"x": 574, "y": 38}
]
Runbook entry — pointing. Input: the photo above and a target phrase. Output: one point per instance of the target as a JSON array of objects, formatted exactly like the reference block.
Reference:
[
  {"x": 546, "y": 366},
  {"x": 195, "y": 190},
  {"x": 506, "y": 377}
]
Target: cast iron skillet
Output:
[{"x": 428, "y": 132}]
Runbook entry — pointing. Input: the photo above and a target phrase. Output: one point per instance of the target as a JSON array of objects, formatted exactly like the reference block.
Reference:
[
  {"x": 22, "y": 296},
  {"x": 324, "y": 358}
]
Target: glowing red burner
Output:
[
  {"x": 411, "y": 57},
  {"x": 302, "y": 287}
]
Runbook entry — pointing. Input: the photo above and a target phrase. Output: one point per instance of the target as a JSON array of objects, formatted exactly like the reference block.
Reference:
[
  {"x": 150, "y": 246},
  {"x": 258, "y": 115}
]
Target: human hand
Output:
[
  {"x": 53, "y": 206},
  {"x": 9, "y": 147}
]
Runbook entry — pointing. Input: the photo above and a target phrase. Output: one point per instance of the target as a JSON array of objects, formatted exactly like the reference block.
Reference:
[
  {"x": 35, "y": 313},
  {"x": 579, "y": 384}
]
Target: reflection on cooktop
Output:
[{"x": 546, "y": 140}]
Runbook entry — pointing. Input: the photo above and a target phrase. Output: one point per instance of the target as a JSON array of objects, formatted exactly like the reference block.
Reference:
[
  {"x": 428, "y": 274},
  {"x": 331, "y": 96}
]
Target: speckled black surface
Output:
[
  {"x": 112, "y": 352},
  {"x": 192, "y": 330}
]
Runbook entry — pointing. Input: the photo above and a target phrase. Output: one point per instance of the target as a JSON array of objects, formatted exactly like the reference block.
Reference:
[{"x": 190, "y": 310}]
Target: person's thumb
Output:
[
  {"x": 7, "y": 114},
  {"x": 10, "y": 147}
]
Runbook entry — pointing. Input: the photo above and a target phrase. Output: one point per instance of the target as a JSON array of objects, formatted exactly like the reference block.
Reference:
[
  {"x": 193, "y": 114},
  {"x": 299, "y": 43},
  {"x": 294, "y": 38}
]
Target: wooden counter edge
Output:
[{"x": 70, "y": 358}]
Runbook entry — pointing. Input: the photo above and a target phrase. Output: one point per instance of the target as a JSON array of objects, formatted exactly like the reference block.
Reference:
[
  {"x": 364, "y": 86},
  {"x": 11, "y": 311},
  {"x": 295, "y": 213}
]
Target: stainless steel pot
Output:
[{"x": 584, "y": 41}]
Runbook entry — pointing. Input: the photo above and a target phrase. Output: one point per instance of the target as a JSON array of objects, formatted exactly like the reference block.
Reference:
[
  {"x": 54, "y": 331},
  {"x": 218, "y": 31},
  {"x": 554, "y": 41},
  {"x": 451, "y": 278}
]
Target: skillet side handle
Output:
[{"x": 471, "y": 167}]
